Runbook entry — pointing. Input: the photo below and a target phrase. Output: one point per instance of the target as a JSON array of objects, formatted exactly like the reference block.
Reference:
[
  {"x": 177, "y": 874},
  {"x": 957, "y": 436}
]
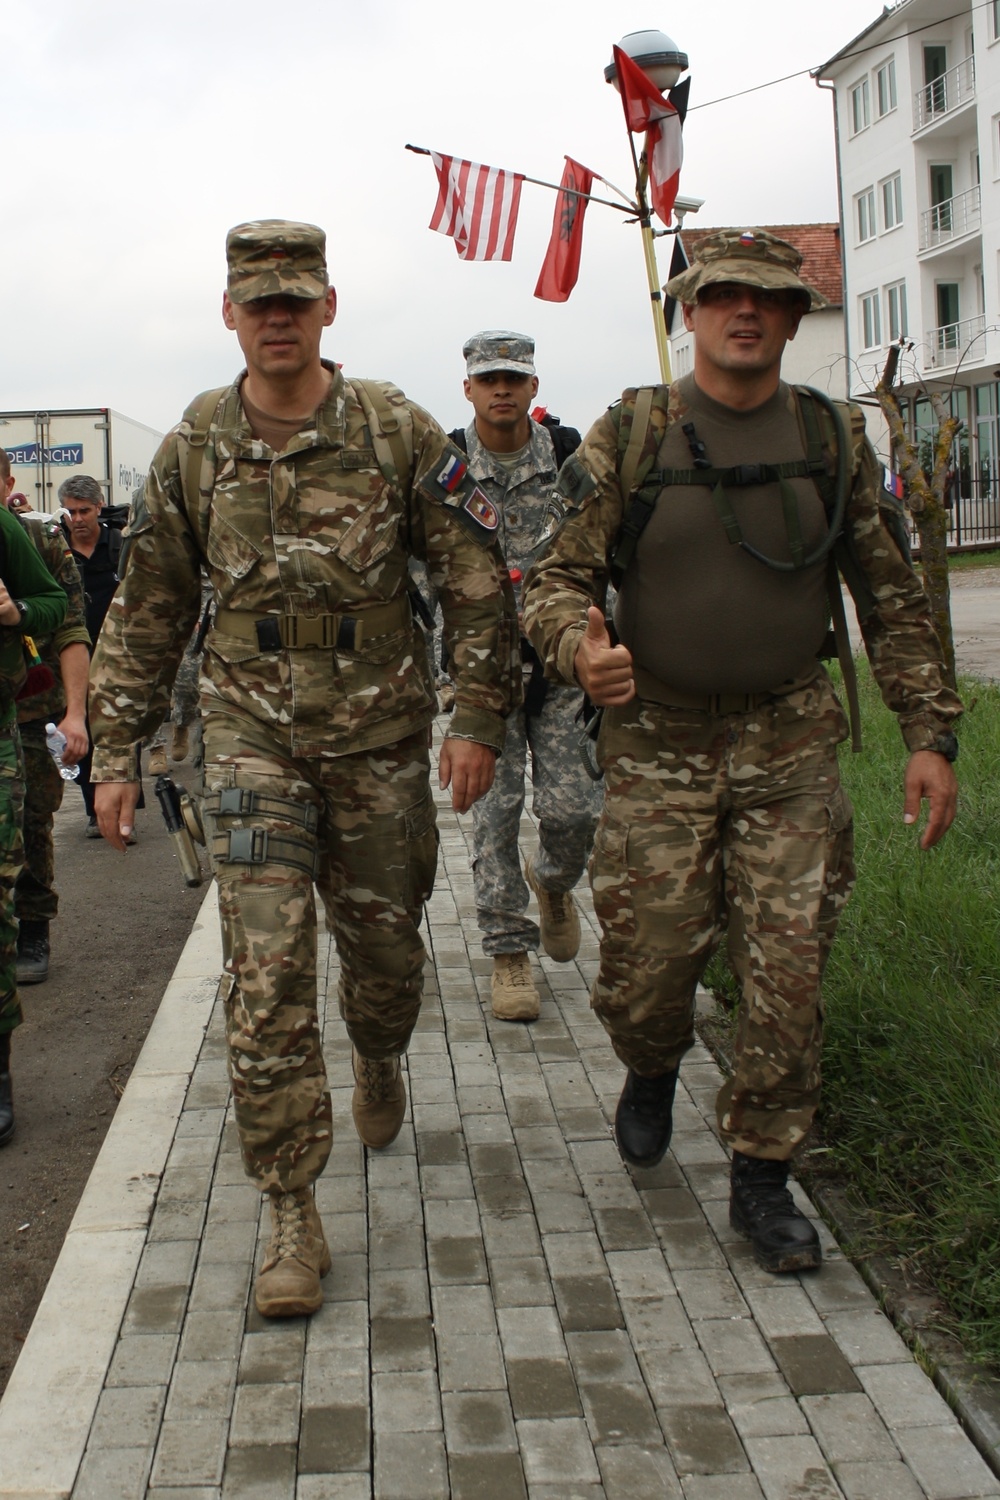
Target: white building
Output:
[
  {"x": 917, "y": 118},
  {"x": 816, "y": 354}
]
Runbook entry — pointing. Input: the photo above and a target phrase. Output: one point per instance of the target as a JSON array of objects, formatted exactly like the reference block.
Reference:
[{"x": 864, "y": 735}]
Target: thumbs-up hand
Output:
[{"x": 603, "y": 671}]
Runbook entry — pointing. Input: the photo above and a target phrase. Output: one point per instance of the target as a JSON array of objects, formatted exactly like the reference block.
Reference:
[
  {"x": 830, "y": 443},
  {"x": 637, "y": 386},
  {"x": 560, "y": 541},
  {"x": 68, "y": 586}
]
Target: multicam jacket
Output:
[
  {"x": 306, "y": 552},
  {"x": 573, "y": 571},
  {"x": 52, "y": 548}
]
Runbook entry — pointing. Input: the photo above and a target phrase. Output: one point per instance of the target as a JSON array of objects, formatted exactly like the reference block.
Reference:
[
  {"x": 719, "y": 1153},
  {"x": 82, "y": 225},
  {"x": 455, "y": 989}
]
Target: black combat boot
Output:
[
  {"x": 644, "y": 1118},
  {"x": 6, "y": 1096},
  {"x": 33, "y": 952},
  {"x": 761, "y": 1206}
]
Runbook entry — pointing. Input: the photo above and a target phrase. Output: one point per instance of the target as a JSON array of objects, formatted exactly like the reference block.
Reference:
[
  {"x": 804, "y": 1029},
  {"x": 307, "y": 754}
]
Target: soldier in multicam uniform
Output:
[
  {"x": 514, "y": 462},
  {"x": 66, "y": 653},
  {"x": 316, "y": 708},
  {"x": 31, "y": 602},
  {"x": 719, "y": 739}
]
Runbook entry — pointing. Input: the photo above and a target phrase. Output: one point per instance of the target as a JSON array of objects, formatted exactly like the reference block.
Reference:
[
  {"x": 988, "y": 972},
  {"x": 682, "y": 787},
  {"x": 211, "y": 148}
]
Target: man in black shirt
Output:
[{"x": 97, "y": 548}]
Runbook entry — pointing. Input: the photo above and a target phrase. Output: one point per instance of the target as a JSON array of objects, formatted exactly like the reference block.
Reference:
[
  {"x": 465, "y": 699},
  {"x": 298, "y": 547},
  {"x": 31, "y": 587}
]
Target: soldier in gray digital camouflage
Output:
[
  {"x": 719, "y": 506},
  {"x": 515, "y": 461},
  {"x": 302, "y": 494}
]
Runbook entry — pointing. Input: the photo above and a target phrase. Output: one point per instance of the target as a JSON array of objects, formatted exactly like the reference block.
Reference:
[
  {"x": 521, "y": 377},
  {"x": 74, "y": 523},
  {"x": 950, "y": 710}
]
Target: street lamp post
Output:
[{"x": 658, "y": 57}]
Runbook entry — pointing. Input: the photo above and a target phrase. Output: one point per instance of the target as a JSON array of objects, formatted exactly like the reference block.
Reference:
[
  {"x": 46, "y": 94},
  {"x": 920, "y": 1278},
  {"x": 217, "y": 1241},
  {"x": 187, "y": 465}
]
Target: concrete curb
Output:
[{"x": 65, "y": 1359}]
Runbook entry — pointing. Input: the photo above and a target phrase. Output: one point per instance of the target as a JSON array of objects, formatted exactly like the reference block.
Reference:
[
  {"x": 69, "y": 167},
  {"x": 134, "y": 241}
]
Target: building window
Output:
[
  {"x": 994, "y": 20},
  {"x": 865, "y": 214},
  {"x": 885, "y": 85},
  {"x": 860, "y": 107},
  {"x": 895, "y": 311},
  {"x": 892, "y": 200},
  {"x": 871, "y": 321}
]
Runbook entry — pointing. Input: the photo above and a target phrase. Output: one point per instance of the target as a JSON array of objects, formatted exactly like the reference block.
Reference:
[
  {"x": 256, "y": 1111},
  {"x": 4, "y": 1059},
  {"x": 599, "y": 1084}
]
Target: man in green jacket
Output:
[{"x": 31, "y": 603}]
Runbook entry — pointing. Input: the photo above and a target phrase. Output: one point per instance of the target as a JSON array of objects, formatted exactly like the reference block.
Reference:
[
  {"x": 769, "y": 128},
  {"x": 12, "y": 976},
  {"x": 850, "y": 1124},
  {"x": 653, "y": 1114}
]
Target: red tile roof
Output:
[{"x": 819, "y": 245}]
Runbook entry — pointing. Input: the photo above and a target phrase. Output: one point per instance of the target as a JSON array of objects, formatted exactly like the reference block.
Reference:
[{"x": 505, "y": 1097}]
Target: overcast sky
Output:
[{"x": 136, "y": 134}]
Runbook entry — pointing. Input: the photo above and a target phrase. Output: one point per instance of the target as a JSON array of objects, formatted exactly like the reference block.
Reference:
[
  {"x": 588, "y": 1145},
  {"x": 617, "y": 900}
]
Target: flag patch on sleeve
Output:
[
  {"x": 482, "y": 509},
  {"x": 452, "y": 474}
]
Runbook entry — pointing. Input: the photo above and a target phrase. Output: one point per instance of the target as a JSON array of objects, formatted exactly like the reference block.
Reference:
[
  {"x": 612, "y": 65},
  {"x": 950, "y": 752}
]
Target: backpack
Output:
[
  {"x": 643, "y": 419},
  {"x": 391, "y": 429},
  {"x": 565, "y": 440}
]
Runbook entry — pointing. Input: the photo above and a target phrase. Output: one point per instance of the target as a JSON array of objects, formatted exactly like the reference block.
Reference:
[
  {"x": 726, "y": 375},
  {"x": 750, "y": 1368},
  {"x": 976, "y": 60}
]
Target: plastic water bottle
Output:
[{"x": 56, "y": 742}]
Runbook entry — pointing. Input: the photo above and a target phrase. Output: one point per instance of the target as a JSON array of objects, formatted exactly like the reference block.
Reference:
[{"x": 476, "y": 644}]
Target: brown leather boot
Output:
[
  {"x": 379, "y": 1101},
  {"x": 297, "y": 1256}
]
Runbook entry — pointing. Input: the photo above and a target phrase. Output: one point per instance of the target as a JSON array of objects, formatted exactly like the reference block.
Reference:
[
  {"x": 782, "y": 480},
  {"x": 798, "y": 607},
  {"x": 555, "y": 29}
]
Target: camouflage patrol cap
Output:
[
  {"x": 752, "y": 257},
  {"x": 274, "y": 257},
  {"x": 499, "y": 349}
]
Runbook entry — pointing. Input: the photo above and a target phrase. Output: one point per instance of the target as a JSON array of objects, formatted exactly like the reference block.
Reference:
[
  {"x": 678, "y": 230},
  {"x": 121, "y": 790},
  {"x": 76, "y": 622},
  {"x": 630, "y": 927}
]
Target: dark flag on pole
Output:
[{"x": 561, "y": 266}]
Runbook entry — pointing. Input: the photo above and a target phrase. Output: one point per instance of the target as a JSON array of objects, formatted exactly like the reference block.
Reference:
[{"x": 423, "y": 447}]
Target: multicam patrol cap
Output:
[
  {"x": 499, "y": 349},
  {"x": 749, "y": 256},
  {"x": 274, "y": 257}
]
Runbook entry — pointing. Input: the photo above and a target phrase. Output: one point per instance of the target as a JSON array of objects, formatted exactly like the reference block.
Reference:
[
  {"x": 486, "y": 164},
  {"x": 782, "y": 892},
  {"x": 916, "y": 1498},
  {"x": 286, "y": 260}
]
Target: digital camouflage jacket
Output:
[
  {"x": 572, "y": 573},
  {"x": 51, "y": 546},
  {"x": 306, "y": 552}
]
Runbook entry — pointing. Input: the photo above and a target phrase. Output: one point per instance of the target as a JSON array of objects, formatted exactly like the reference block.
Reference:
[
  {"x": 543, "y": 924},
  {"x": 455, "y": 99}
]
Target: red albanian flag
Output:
[{"x": 561, "y": 265}]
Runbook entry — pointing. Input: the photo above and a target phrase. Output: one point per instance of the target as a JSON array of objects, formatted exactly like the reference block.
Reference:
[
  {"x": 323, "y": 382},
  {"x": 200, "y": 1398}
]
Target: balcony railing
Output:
[
  {"x": 944, "y": 94},
  {"x": 947, "y": 344},
  {"x": 945, "y": 221}
]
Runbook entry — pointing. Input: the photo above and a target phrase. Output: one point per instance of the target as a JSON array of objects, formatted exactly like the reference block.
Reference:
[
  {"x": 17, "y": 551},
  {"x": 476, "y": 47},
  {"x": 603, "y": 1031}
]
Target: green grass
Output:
[
  {"x": 911, "y": 1090},
  {"x": 965, "y": 560}
]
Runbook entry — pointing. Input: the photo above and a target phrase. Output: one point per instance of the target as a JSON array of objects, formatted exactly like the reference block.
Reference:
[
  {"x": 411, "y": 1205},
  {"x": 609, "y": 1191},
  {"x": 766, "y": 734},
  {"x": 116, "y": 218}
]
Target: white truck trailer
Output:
[{"x": 47, "y": 447}]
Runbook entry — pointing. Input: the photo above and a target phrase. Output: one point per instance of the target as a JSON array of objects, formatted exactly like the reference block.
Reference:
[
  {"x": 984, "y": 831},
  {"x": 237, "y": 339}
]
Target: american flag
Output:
[{"x": 477, "y": 206}]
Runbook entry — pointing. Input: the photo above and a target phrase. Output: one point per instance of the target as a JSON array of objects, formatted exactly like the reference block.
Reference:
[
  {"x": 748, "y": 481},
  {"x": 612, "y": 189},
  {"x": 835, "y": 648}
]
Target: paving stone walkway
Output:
[{"x": 510, "y": 1313}]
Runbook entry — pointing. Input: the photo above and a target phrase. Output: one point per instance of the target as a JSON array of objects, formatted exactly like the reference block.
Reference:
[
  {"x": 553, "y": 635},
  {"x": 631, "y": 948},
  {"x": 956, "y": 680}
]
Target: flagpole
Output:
[
  {"x": 649, "y": 252},
  {"x": 623, "y": 208}
]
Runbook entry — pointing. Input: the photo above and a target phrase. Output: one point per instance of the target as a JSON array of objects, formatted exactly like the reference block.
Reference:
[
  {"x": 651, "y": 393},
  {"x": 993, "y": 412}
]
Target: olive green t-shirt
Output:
[{"x": 699, "y": 614}]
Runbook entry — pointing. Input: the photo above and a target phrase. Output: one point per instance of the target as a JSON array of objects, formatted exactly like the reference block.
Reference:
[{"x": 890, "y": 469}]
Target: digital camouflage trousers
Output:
[
  {"x": 565, "y": 800},
  {"x": 364, "y": 826},
  {"x": 730, "y": 824},
  {"x": 35, "y": 896},
  {"x": 11, "y": 859}
]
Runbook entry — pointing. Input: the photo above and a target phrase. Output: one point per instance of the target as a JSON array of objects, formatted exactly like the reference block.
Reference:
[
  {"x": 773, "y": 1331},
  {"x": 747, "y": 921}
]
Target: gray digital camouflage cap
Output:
[
  {"x": 752, "y": 257},
  {"x": 275, "y": 257},
  {"x": 499, "y": 349}
]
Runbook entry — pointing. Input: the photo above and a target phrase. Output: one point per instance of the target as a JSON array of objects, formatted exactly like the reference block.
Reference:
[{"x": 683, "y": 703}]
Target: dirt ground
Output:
[{"x": 122, "y": 923}]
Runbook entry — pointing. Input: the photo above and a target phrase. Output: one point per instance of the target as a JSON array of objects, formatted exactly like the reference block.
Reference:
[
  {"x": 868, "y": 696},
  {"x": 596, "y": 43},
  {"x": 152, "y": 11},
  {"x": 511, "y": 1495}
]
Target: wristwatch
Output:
[
  {"x": 947, "y": 745},
  {"x": 21, "y": 608}
]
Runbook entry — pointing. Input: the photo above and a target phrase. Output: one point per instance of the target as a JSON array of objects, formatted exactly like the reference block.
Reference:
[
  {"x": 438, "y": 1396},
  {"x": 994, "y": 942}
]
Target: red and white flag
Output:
[
  {"x": 646, "y": 109},
  {"x": 477, "y": 206},
  {"x": 561, "y": 265}
]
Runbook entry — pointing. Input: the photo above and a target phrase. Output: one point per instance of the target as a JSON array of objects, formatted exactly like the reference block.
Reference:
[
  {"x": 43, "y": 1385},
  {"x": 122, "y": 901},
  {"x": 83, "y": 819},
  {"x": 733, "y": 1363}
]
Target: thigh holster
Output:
[{"x": 258, "y": 844}]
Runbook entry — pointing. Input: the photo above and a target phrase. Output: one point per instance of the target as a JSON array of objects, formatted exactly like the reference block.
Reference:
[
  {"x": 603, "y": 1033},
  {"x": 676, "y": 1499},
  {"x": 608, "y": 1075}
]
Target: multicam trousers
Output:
[
  {"x": 374, "y": 842},
  {"x": 566, "y": 802},
  {"x": 11, "y": 859},
  {"x": 35, "y": 897},
  {"x": 714, "y": 821}
]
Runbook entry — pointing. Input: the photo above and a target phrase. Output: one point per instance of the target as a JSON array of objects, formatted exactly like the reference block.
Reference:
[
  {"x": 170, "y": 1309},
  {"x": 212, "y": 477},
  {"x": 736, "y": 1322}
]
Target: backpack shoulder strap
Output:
[
  {"x": 642, "y": 418},
  {"x": 457, "y": 436},
  {"x": 634, "y": 433},
  {"x": 391, "y": 428},
  {"x": 199, "y": 417}
]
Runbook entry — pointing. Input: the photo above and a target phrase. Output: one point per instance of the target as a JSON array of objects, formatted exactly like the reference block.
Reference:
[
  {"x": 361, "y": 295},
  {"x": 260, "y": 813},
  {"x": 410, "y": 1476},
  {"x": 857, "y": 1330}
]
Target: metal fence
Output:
[{"x": 973, "y": 502}]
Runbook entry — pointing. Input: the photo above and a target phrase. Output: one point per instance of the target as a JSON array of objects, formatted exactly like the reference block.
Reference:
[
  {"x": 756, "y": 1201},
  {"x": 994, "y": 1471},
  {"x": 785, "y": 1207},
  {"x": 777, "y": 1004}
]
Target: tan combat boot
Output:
[
  {"x": 379, "y": 1101},
  {"x": 513, "y": 991},
  {"x": 296, "y": 1257},
  {"x": 560, "y": 922}
]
